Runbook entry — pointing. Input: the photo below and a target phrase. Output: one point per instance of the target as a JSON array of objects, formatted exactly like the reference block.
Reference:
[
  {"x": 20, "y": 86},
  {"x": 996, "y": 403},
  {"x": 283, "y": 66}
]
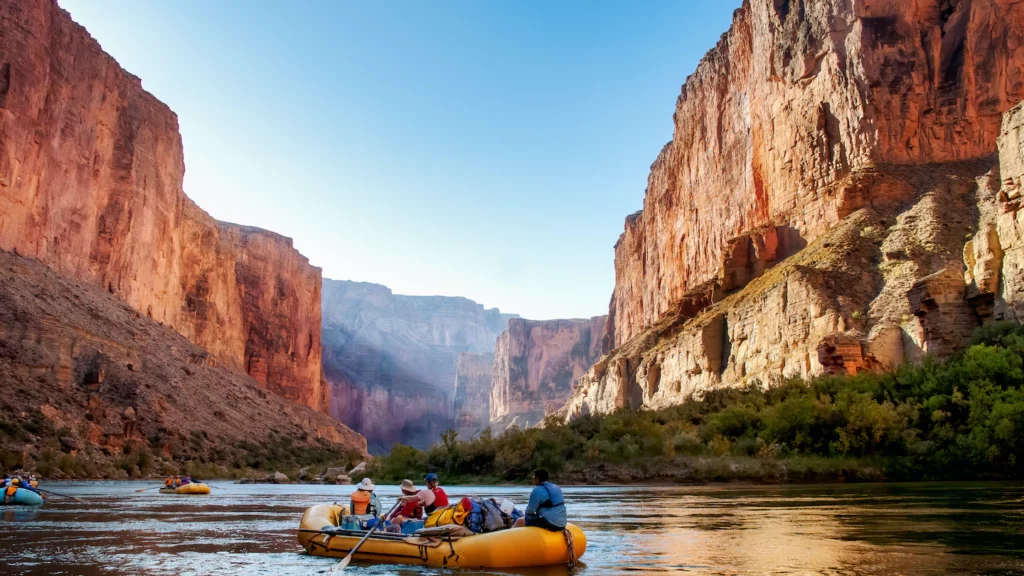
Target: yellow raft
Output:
[
  {"x": 512, "y": 548},
  {"x": 194, "y": 488}
]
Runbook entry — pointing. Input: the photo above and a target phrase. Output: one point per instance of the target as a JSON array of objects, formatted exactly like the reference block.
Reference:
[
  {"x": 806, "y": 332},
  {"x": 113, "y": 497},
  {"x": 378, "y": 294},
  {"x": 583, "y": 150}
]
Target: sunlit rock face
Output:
[
  {"x": 784, "y": 121},
  {"x": 391, "y": 360},
  {"x": 471, "y": 404},
  {"x": 536, "y": 363},
  {"x": 91, "y": 171},
  {"x": 831, "y": 201},
  {"x": 994, "y": 257}
]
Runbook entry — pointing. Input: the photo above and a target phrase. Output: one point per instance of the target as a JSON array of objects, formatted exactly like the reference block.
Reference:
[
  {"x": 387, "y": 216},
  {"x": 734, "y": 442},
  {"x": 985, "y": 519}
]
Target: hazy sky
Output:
[{"x": 488, "y": 149}]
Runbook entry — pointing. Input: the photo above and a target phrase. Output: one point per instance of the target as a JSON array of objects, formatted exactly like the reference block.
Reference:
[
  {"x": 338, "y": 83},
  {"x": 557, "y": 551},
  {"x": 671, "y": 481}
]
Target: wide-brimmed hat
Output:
[
  {"x": 366, "y": 484},
  {"x": 408, "y": 485}
]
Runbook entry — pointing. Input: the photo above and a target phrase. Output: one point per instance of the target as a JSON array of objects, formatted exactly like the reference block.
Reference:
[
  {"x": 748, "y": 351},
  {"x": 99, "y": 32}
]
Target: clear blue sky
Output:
[{"x": 488, "y": 148}]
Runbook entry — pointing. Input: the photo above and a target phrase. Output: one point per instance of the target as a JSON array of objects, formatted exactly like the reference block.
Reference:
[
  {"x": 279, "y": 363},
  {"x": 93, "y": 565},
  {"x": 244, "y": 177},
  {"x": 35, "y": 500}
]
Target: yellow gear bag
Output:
[{"x": 454, "y": 514}]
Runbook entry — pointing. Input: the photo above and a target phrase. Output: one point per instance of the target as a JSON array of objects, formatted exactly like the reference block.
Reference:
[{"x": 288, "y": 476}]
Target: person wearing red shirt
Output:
[
  {"x": 440, "y": 498},
  {"x": 412, "y": 509}
]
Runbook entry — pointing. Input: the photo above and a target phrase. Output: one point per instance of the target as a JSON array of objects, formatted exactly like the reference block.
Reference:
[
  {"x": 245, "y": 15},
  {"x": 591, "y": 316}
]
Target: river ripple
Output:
[{"x": 846, "y": 529}]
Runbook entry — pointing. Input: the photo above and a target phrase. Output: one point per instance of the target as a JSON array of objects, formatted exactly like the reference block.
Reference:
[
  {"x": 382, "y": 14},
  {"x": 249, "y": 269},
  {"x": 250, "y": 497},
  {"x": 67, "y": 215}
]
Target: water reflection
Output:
[{"x": 859, "y": 529}]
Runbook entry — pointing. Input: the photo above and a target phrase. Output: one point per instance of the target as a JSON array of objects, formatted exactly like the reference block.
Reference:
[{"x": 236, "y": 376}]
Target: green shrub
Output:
[{"x": 958, "y": 418}]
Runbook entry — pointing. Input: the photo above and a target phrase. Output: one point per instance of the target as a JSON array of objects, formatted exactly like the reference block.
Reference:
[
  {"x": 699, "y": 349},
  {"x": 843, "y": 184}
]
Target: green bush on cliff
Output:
[{"x": 958, "y": 418}]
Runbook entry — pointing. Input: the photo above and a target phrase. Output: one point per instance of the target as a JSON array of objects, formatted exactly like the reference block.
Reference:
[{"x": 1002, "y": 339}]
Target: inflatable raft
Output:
[
  {"x": 512, "y": 548},
  {"x": 194, "y": 488},
  {"x": 23, "y": 496}
]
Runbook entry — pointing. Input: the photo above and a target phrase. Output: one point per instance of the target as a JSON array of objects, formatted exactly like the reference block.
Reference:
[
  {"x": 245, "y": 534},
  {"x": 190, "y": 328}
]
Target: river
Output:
[{"x": 836, "y": 529}]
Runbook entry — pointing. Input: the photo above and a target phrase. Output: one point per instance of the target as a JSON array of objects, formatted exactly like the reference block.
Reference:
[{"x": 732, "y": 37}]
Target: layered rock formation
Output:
[
  {"x": 86, "y": 374},
  {"x": 391, "y": 359},
  {"x": 994, "y": 257},
  {"x": 471, "y": 403},
  {"x": 91, "y": 174},
  {"x": 536, "y": 364},
  {"x": 860, "y": 136}
]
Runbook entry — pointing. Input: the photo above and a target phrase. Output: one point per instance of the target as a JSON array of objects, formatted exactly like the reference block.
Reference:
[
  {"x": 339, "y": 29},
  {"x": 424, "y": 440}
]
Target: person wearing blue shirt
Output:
[{"x": 547, "y": 506}]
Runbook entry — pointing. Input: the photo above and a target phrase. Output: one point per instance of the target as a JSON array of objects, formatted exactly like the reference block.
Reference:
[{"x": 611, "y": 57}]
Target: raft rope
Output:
[
  {"x": 454, "y": 554},
  {"x": 572, "y": 547}
]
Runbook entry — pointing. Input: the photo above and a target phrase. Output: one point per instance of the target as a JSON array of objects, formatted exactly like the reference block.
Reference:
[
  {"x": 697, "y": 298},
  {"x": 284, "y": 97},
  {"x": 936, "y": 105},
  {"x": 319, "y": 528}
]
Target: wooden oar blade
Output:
[{"x": 340, "y": 566}]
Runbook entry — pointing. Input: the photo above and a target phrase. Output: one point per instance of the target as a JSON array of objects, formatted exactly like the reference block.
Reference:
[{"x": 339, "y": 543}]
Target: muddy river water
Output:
[{"x": 845, "y": 529}]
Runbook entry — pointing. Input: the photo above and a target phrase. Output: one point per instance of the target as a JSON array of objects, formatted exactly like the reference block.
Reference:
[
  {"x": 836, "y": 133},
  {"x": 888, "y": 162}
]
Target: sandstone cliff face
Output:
[
  {"x": 98, "y": 379},
  {"x": 391, "y": 359},
  {"x": 91, "y": 171},
  {"x": 994, "y": 257},
  {"x": 782, "y": 123},
  {"x": 472, "y": 398},
  {"x": 820, "y": 218},
  {"x": 536, "y": 364}
]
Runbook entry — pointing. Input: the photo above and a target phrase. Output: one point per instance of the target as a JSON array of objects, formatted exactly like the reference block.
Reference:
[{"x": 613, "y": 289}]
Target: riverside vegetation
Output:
[{"x": 959, "y": 418}]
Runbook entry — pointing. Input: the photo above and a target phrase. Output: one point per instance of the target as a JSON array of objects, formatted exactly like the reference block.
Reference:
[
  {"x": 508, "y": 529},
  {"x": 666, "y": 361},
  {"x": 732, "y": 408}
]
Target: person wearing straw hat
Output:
[
  {"x": 411, "y": 509},
  {"x": 364, "y": 500}
]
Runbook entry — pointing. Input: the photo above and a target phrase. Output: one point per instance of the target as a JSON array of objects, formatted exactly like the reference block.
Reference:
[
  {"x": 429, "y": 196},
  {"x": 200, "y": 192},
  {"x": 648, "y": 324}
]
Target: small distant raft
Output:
[
  {"x": 194, "y": 488},
  {"x": 24, "y": 497},
  {"x": 512, "y": 548}
]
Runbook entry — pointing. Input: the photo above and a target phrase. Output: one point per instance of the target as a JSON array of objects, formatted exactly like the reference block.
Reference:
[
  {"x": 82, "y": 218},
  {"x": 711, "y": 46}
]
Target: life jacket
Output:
[
  {"x": 555, "y": 498},
  {"x": 168, "y": 482},
  {"x": 11, "y": 490},
  {"x": 454, "y": 514},
  {"x": 360, "y": 502},
  {"x": 440, "y": 499},
  {"x": 34, "y": 484},
  {"x": 412, "y": 510}
]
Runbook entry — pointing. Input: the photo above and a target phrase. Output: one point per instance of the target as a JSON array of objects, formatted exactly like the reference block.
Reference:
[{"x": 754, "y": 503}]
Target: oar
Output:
[
  {"x": 61, "y": 495},
  {"x": 150, "y": 488},
  {"x": 340, "y": 566}
]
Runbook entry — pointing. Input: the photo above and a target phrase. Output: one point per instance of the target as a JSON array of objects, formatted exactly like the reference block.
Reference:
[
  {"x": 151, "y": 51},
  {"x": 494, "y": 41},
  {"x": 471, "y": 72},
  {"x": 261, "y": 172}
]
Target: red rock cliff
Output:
[
  {"x": 831, "y": 201},
  {"x": 782, "y": 123},
  {"x": 91, "y": 171},
  {"x": 536, "y": 364}
]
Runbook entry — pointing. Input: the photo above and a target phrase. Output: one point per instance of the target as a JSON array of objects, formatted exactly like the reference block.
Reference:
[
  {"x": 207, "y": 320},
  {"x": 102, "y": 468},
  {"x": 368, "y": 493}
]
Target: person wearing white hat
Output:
[{"x": 364, "y": 500}]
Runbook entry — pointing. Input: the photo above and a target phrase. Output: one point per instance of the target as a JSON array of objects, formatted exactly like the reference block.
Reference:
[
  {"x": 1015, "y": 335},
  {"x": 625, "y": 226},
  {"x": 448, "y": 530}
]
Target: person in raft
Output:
[
  {"x": 411, "y": 509},
  {"x": 11, "y": 489},
  {"x": 364, "y": 500},
  {"x": 547, "y": 506},
  {"x": 440, "y": 497}
]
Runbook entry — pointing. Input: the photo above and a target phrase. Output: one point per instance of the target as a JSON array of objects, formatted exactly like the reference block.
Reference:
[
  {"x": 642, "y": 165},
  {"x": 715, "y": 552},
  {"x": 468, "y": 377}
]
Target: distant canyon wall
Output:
[
  {"x": 840, "y": 194},
  {"x": 536, "y": 363},
  {"x": 391, "y": 360},
  {"x": 471, "y": 402},
  {"x": 91, "y": 172}
]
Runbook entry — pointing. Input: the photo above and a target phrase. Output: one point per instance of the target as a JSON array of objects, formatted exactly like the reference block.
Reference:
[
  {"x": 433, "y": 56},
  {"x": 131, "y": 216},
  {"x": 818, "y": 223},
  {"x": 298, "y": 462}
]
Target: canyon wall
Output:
[
  {"x": 783, "y": 123},
  {"x": 536, "y": 363},
  {"x": 90, "y": 380},
  {"x": 831, "y": 201},
  {"x": 471, "y": 402},
  {"x": 91, "y": 170},
  {"x": 391, "y": 360}
]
